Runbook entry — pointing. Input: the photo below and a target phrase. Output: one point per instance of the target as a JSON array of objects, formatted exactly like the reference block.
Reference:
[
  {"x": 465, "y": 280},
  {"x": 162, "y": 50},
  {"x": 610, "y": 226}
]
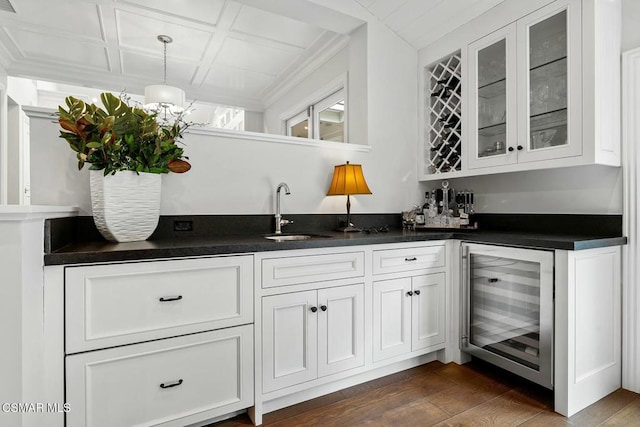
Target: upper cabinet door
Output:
[
  {"x": 550, "y": 83},
  {"x": 492, "y": 100}
]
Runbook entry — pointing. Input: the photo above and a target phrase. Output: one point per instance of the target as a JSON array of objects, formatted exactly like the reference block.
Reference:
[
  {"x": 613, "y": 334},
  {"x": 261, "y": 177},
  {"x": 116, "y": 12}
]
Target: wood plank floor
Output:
[{"x": 475, "y": 394}]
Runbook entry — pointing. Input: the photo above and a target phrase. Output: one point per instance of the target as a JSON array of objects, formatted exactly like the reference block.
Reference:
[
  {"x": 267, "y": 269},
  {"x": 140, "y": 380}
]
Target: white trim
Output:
[
  {"x": 631, "y": 209},
  {"x": 35, "y": 212},
  {"x": 266, "y": 137}
]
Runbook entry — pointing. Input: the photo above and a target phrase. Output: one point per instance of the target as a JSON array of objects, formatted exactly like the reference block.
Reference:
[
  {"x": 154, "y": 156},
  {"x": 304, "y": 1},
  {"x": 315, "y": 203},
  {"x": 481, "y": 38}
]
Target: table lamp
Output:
[{"x": 347, "y": 180}]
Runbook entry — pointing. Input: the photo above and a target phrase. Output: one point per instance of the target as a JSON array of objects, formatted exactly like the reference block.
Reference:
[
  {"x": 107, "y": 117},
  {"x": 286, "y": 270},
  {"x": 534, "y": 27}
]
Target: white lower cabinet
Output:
[
  {"x": 408, "y": 314},
  {"x": 158, "y": 343},
  {"x": 311, "y": 334},
  {"x": 172, "y": 382}
]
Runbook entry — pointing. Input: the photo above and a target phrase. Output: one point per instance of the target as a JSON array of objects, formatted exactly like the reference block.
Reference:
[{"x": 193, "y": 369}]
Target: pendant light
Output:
[{"x": 164, "y": 99}]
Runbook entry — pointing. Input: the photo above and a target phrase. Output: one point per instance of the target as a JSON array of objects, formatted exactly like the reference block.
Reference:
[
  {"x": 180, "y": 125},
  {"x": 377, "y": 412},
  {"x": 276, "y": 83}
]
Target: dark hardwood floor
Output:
[{"x": 475, "y": 394}]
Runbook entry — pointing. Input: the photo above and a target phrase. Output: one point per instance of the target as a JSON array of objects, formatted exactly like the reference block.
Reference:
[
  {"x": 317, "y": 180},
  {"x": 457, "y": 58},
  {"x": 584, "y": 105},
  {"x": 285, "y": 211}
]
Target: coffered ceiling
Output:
[
  {"x": 222, "y": 51},
  {"x": 236, "y": 52},
  {"x": 421, "y": 22}
]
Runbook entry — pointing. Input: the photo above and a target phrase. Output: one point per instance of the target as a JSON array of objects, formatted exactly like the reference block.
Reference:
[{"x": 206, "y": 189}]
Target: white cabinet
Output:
[
  {"x": 311, "y": 334},
  {"x": 165, "y": 342},
  {"x": 172, "y": 382},
  {"x": 116, "y": 304},
  {"x": 408, "y": 314},
  {"x": 524, "y": 89},
  {"x": 541, "y": 88}
]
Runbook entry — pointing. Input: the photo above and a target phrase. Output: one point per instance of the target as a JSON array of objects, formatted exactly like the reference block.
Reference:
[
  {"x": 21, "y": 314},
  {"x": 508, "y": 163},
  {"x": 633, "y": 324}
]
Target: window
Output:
[{"x": 324, "y": 119}]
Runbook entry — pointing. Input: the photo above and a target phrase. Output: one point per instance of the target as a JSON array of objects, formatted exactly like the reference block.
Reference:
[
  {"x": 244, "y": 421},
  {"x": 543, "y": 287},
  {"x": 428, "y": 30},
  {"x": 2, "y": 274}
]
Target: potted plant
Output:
[{"x": 128, "y": 148}]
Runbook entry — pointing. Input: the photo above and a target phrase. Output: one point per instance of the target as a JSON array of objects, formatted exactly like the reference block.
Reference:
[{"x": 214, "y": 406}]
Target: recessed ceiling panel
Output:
[
  {"x": 151, "y": 68},
  {"x": 78, "y": 18},
  {"x": 35, "y": 46},
  {"x": 383, "y": 8},
  {"x": 140, "y": 32},
  {"x": 247, "y": 83},
  {"x": 205, "y": 11},
  {"x": 254, "y": 57},
  {"x": 275, "y": 27}
]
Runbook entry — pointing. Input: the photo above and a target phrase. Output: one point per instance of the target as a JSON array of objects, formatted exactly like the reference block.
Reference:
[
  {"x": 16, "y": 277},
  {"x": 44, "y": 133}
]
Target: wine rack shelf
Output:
[{"x": 443, "y": 97}]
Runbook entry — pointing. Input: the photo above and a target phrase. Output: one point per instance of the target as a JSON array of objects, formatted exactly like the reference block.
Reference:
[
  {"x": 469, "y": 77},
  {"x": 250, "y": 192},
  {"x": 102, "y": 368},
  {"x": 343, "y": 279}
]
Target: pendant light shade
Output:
[{"x": 163, "y": 98}]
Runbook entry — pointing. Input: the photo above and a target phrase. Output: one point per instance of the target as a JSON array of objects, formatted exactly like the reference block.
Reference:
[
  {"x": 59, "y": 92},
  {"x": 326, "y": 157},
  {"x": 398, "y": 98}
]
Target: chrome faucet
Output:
[{"x": 279, "y": 220}]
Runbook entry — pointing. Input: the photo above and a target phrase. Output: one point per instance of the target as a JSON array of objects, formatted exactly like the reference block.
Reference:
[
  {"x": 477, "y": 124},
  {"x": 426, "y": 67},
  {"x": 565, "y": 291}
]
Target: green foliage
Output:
[{"x": 121, "y": 137}]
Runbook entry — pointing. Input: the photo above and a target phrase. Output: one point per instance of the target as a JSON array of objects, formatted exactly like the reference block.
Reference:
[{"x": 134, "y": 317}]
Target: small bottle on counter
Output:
[{"x": 419, "y": 215}]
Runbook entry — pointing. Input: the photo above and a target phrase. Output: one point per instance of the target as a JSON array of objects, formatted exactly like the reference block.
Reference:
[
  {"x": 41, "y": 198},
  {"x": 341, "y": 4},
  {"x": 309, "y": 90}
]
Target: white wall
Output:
[
  {"x": 239, "y": 176},
  {"x": 3, "y": 136}
]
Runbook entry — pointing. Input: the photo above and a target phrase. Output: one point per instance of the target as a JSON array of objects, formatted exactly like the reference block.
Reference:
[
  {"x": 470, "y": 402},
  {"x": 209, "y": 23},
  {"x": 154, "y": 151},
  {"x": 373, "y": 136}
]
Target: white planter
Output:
[{"x": 126, "y": 206}]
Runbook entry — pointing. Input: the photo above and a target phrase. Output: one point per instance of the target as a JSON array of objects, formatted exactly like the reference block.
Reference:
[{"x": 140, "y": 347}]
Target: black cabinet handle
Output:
[
  {"x": 411, "y": 259},
  {"x": 323, "y": 307},
  {"x": 313, "y": 309},
  {"x": 417, "y": 292},
  {"x": 520, "y": 147},
  {"x": 493, "y": 280},
  {"x": 171, "y": 384},
  {"x": 167, "y": 299},
  {"x": 510, "y": 148},
  {"x": 409, "y": 293}
]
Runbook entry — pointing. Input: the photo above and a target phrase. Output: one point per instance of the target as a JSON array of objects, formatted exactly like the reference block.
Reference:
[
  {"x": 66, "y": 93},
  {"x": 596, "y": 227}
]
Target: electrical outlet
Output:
[{"x": 182, "y": 225}]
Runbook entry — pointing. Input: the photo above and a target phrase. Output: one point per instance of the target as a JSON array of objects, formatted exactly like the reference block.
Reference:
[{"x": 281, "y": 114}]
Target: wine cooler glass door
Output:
[
  {"x": 493, "y": 111},
  {"x": 547, "y": 58},
  {"x": 509, "y": 314}
]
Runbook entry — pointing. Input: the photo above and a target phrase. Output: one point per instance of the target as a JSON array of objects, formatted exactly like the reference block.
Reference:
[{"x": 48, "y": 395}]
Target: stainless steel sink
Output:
[{"x": 288, "y": 237}]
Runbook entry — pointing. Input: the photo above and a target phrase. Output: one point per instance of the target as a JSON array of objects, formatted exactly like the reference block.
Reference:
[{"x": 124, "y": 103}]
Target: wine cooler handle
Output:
[{"x": 465, "y": 276}]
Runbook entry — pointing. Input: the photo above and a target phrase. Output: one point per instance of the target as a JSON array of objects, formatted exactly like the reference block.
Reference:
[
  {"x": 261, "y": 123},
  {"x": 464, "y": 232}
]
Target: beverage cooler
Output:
[{"x": 507, "y": 309}]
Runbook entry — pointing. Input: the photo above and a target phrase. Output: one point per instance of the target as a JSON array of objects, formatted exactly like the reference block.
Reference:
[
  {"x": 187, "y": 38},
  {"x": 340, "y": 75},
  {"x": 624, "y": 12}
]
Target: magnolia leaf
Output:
[
  {"x": 179, "y": 166},
  {"x": 94, "y": 145}
]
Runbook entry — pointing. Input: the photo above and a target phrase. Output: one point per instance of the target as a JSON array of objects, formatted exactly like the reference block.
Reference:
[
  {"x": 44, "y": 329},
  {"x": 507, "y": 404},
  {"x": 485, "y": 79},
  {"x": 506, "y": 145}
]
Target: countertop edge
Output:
[{"x": 194, "y": 249}]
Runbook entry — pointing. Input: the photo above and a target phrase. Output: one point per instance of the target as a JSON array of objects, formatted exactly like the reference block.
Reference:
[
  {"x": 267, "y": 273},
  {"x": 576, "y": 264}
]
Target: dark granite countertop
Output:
[{"x": 163, "y": 244}]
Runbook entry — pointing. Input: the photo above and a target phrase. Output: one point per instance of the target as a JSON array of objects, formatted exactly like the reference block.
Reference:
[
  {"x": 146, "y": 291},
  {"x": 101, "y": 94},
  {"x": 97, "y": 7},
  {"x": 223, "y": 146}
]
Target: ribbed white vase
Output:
[{"x": 126, "y": 206}]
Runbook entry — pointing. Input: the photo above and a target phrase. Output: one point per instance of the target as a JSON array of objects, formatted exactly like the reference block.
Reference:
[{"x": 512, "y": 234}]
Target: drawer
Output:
[
  {"x": 115, "y": 304},
  {"x": 172, "y": 382},
  {"x": 312, "y": 268},
  {"x": 407, "y": 259}
]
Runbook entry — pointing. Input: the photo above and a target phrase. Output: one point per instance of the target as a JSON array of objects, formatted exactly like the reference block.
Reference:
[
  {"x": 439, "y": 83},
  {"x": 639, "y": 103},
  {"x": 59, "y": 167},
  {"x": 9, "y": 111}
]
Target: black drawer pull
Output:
[
  {"x": 323, "y": 307},
  {"x": 313, "y": 309},
  {"x": 171, "y": 384},
  {"x": 409, "y": 293},
  {"x": 417, "y": 292},
  {"x": 411, "y": 259},
  {"x": 167, "y": 299},
  {"x": 493, "y": 280}
]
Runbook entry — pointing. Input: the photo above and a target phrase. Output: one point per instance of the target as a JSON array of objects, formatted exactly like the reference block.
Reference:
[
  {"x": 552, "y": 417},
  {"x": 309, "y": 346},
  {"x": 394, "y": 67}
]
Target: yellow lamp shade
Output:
[{"x": 348, "y": 179}]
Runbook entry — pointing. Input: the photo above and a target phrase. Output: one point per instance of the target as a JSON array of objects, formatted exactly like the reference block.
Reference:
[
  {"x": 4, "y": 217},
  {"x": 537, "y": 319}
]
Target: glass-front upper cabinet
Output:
[
  {"x": 492, "y": 107},
  {"x": 524, "y": 88},
  {"x": 549, "y": 65}
]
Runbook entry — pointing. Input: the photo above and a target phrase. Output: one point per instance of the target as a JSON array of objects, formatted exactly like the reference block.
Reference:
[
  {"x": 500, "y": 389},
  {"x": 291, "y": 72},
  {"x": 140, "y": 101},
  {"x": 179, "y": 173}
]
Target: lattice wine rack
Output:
[{"x": 443, "y": 139}]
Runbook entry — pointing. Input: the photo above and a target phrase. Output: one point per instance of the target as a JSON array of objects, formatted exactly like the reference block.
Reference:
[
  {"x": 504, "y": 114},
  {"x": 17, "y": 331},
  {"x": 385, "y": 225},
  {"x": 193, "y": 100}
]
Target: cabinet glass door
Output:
[
  {"x": 550, "y": 57},
  {"x": 492, "y": 111}
]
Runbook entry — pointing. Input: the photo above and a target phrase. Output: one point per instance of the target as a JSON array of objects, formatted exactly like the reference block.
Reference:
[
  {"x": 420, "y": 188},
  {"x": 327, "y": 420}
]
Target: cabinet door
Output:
[
  {"x": 172, "y": 382},
  {"x": 428, "y": 311},
  {"x": 492, "y": 99},
  {"x": 289, "y": 343},
  {"x": 391, "y": 318},
  {"x": 340, "y": 329},
  {"x": 550, "y": 82}
]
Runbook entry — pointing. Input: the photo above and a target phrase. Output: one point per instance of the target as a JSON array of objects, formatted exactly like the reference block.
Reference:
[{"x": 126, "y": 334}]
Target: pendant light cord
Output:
[{"x": 164, "y": 82}]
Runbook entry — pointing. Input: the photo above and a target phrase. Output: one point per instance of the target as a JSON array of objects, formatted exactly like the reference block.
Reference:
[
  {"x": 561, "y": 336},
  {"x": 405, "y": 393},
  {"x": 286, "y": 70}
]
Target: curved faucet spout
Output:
[{"x": 279, "y": 221}]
